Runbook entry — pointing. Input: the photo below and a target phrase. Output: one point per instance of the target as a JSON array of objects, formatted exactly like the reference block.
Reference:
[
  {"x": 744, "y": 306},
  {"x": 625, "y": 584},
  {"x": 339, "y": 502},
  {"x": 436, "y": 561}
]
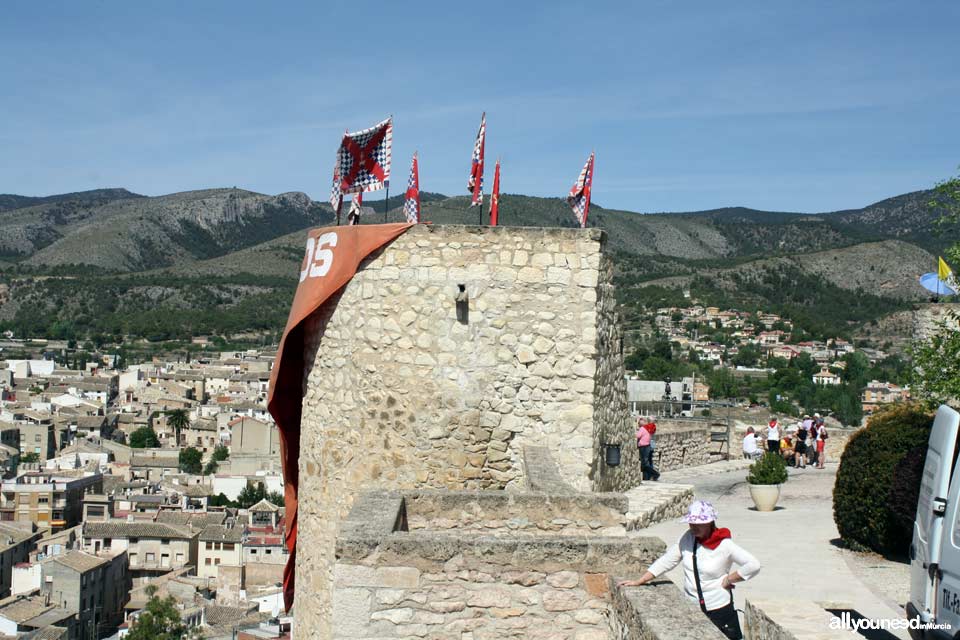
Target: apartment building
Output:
[
  {"x": 152, "y": 548},
  {"x": 219, "y": 544},
  {"x": 50, "y": 499},
  {"x": 93, "y": 587}
]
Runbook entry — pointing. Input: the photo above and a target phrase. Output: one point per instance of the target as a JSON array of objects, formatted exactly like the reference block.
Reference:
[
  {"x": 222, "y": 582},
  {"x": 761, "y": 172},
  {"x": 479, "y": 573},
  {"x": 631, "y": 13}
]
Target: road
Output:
[{"x": 797, "y": 544}]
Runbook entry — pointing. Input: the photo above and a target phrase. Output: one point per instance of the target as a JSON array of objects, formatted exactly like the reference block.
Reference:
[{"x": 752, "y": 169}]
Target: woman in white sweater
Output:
[{"x": 708, "y": 555}]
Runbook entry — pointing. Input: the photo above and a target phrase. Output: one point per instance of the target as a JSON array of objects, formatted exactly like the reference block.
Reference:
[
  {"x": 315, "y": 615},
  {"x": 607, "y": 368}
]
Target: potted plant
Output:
[{"x": 765, "y": 477}]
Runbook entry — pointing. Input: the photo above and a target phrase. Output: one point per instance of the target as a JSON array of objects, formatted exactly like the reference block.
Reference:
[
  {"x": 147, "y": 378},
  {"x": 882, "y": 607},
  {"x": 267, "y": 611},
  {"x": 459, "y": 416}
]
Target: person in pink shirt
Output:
[{"x": 645, "y": 430}]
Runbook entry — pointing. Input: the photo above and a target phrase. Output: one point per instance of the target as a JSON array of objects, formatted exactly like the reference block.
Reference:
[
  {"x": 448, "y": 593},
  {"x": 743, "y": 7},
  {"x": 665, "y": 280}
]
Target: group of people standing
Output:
[{"x": 805, "y": 443}]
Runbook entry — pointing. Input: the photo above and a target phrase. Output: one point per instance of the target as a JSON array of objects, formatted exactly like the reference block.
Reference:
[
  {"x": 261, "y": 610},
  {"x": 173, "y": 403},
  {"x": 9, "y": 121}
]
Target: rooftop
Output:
[
  {"x": 134, "y": 530},
  {"x": 221, "y": 533},
  {"x": 79, "y": 561}
]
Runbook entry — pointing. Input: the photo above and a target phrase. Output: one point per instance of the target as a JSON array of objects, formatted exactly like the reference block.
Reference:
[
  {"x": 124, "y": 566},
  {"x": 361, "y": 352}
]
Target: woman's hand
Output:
[
  {"x": 629, "y": 583},
  {"x": 728, "y": 583}
]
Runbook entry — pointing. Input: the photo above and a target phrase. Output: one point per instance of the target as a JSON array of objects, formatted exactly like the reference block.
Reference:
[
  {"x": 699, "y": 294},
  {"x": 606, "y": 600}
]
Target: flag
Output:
[
  {"x": 411, "y": 205},
  {"x": 353, "y": 216},
  {"x": 336, "y": 196},
  {"x": 945, "y": 274},
  {"x": 475, "y": 184},
  {"x": 943, "y": 269},
  {"x": 579, "y": 198},
  {"x": 495, "y": 196},
  {"x": 363, "y": 159}
]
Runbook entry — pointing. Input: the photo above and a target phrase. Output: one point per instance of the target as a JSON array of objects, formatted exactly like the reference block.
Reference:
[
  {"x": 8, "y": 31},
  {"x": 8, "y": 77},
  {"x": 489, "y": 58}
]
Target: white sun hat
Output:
[{"x": 700, "y": 512}]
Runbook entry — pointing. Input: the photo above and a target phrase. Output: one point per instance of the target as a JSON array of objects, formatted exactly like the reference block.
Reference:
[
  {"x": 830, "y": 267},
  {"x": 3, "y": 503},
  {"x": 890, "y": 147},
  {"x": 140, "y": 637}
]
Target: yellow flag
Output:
[{"x": 943, "y": 270}]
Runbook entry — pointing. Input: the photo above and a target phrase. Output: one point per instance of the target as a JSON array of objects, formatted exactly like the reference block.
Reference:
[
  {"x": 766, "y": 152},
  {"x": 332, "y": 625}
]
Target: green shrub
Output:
[
  {"x": 905, "y": 488},
  {"x": 770, "y": 469},
  {"x": 866, "y": 508}
]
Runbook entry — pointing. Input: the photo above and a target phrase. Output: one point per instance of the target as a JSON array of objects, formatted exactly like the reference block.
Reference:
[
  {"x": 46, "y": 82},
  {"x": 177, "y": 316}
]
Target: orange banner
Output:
[{"x": 332, "y": 258}]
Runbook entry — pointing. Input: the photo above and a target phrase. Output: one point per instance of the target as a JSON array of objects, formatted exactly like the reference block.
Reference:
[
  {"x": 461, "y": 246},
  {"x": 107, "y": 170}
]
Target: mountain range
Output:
[{"x": 214, "y": 258}]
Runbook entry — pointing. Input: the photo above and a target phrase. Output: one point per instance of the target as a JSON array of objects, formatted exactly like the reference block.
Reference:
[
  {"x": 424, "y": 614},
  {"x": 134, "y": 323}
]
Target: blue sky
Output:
[{"x": 805, "y": 106}]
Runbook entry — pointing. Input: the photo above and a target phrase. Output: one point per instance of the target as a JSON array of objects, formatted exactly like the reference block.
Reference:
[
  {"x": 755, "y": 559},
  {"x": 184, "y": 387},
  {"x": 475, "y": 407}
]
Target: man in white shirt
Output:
[{"x": 750, "y": 449}]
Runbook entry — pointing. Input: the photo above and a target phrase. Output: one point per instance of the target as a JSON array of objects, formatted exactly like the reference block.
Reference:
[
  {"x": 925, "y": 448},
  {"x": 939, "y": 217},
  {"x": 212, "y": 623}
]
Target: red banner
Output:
[{"x": 332, "y": 257}]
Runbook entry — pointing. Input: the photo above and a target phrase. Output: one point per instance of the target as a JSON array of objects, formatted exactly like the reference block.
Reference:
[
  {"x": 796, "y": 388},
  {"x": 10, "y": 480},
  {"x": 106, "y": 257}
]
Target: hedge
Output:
[{"x": 874, "y": 498}]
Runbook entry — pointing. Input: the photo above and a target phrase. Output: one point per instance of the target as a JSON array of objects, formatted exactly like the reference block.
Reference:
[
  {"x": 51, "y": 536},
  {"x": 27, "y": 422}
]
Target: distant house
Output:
[
  {"x": 826, "y": 377},
  {"x": 879, "y": 393},
  {"x": 219, "y": 544},
  {"x": 784, "y": 351},
  {"x": 152, "y": 548},
  {"x": 92, "y": 587}
]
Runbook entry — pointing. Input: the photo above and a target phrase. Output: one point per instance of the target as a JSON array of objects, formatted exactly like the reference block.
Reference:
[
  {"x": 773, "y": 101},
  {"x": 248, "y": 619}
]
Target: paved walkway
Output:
[
  {"x": 796, "y": 544},
  {"x": 691, "y": 475}
]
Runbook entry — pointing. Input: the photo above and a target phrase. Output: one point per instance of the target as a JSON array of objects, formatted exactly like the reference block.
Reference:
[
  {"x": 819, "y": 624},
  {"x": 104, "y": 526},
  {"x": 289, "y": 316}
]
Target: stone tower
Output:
[{"x": 449, "y": 351}]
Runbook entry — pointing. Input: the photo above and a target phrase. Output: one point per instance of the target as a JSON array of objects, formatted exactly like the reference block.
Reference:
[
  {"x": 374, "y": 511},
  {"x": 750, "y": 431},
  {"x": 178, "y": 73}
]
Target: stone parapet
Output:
[
  {"x": 657, "y": 611},
  {"x": 500, "y": 511},
  {"x": 442, "y": 584}
]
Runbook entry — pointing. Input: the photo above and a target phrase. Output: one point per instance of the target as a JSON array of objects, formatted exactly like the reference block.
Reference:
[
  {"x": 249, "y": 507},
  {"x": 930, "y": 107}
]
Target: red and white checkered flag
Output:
[
  {"x": 579, "y": 198},
  {"x": 363, "y": 159},
  {"x": 336, "y": 196},
  {"x": 411, "y": 204},
  {"x": 475, "y": 184}
]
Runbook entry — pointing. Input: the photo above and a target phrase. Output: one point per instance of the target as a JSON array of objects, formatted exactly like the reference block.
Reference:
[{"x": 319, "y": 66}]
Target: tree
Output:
[
  {"x": 723, "y": 384},
  {"x": 160, "y": 620},
  {"x": 946, "y": 200},
  {"x": 251, "y": 495},
  {"x": 857, "y": 370},
  {"x": 191, "y": 460},
  {"x": 936, "y": 373},
  {"x": 220, "y": 453},
  {"x": 936, "y": 376},
  {"x": 747, "y": 356},
  {"x": 144, "y": 438},
  {"x": 30, "y": 457},
  {"x": 178, "y": 420}
]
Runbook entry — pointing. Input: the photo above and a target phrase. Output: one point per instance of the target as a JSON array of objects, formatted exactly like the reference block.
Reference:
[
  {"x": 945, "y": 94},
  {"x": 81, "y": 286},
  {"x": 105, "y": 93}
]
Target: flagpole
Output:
[{"x": 386, "y": 204}]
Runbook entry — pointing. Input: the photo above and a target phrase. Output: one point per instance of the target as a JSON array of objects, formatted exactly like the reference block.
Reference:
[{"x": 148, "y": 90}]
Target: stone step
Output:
[{"x": 654, "y": 502}]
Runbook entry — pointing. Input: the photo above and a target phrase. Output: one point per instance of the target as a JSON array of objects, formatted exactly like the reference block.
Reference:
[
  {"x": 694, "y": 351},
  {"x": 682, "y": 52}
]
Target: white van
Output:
[{"x": 935, "y": 551}]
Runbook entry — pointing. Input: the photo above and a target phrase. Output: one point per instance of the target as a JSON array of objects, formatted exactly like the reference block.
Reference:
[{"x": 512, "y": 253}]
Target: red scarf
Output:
[{"x": 716, "y": 536}]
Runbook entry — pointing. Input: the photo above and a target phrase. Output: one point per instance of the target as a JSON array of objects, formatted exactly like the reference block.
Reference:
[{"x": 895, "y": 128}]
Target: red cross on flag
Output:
[{"x": 363, "y": 159}]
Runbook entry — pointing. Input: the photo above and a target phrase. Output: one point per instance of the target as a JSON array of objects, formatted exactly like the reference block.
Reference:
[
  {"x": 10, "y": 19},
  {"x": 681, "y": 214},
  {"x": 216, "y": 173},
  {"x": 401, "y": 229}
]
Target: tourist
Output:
[
  {"x": 786, "y": 449},
  {"x": 800, "y": 456},
  {"x": 750, "y": 449},
  {"x": 773, "y": 435},
  {"x": 708, "y": 555},
  {"x": 814, "y": 429},
  {"x": 821, "y": 445},
  {"x": 645, "y": 430}
]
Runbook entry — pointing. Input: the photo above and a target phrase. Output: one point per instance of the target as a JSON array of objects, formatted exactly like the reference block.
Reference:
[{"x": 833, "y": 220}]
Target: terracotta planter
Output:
[{"x": 765, "y": 496}]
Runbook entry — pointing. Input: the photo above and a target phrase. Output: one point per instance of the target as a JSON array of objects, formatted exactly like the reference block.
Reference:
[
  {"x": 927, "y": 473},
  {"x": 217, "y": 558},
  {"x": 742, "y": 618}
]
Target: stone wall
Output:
[
  {"x": 682, "y": 447},
  {"x": 438, "y": 584},
  {"x": 401, "y": 392},
  {"x": 657, "y": 611},
  {"x": 613, "y": 424},
  {"x": 493, "y": 512},
  {"x": 927, "y": 319}
]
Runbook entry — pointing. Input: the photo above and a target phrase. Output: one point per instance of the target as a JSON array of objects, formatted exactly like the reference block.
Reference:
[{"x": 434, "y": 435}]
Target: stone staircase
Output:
[{"x": 653, "y": 502}]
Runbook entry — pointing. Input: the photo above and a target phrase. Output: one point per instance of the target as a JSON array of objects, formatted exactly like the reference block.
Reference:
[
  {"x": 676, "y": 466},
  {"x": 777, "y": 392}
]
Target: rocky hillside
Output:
[
  {"x": 136, "y": 234},
  {"x": 225, "y": 260}
]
